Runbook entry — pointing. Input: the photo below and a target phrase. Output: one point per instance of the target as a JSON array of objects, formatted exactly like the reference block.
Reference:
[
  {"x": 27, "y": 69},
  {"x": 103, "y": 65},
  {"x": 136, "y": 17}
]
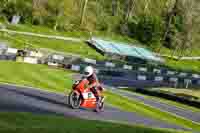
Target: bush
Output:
[
  {"x": 176, "y": 27},
  {"x": 147, "y": 29},
  {"x": 108, "y": 24},
  {"x": 22, "y": 8},
  {"x": 50, "y": 21}
]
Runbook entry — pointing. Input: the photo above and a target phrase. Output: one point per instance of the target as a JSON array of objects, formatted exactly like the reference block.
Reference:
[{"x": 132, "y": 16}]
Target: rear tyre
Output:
[
  {"x": 74, "y": 100},
  {"x": 100, "y": 106}
]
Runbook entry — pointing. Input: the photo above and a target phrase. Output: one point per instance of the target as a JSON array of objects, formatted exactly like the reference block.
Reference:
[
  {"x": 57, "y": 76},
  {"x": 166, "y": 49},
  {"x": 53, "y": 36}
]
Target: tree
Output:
[
  {"x": 129, "y": 4},
  {"x": 21, "y": 8},
  {"x": 84, "y": 7},
  {"x": 188, "y": 17},
  {"x": 3, "y": 6},
  {"x": 114, "y": 7},
  {"x": 39, "y": 11},
  {"x": 180, "y": 27},
  {"x": 172, "y": 20},
  {"x": 146, "y": 7},
  {"x": 55, "y": 9}
]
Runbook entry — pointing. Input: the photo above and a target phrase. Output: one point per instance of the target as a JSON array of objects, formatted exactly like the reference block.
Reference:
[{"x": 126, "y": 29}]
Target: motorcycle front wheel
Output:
[{"x": 74, "y": 100}]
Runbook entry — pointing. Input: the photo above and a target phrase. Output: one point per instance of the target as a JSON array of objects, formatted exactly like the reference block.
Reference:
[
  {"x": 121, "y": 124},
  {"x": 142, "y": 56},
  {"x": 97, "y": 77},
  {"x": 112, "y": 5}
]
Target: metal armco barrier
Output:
[
  {"x": 138, "y": 67},
  {"x": 127, "y": 78}
]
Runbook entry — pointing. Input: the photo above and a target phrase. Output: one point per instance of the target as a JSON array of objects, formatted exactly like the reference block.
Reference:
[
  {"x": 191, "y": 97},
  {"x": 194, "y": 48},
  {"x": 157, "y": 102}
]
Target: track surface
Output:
[
  {"x": 194, "y": 116},
  {"x": 24, "y": 99}
]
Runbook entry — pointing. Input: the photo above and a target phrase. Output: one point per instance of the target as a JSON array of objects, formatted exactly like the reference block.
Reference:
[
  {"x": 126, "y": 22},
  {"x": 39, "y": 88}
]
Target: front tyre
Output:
[{"x": 74, "y": 100}]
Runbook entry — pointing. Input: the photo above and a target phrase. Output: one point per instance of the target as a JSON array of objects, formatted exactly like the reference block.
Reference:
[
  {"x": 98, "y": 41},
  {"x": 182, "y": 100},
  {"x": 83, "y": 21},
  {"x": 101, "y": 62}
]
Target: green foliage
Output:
[
  {"x": 56, "y": 11},
  {"x": 17, "y": 7},
  {"x": 175, "y": 27},
  {"x": 148, "y": 29},
  {"x": 147, "y": 22},
  {"x": 109, "y": 24}
]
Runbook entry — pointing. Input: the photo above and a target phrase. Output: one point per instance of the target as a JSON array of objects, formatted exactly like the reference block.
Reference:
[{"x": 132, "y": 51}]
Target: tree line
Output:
[{"x": 174, "y": 24}]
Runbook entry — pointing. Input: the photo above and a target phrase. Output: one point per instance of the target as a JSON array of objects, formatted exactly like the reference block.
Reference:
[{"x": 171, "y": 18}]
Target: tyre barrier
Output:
[
  {"x": 8, "y": 57},
  {"x": 3, "y": 57}
]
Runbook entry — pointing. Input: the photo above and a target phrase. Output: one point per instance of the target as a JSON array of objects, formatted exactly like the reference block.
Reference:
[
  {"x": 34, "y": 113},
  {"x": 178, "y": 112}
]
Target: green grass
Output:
[
  {"x": 169, "y": 52},
  {"x": 77, "y": 34},
  {"x": 35, "y": 76},
  {"x": 78, "y": 48},
  {"x": 59, "y": 80},
  {"x": 29, "y": 123},
  {"x": 184, "y": 65},
  {"x": 47, "y": 31}
]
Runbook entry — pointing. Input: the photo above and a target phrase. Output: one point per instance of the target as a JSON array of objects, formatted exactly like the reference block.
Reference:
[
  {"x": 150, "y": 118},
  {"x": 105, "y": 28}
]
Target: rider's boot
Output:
[
  {"x": 98, "y": 99},
  {"x": 102, "y": 98}
]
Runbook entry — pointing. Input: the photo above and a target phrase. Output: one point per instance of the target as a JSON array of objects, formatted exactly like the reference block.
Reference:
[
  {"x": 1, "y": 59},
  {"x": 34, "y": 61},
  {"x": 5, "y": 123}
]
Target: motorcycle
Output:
[{"x": 83, "y": 97}]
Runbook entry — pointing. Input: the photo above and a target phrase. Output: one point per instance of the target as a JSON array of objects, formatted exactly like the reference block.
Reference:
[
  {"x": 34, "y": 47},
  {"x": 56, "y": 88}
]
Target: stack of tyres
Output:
[
  {"x": 11, "y": 57},
  {"x": 3, "y": 57}
]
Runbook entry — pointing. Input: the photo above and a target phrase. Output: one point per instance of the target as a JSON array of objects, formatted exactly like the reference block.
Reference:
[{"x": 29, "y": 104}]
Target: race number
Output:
[{"x": 89, "y": 95}]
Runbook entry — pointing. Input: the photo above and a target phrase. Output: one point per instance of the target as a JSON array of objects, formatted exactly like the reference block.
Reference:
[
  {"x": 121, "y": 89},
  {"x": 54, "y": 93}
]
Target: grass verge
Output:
[
  {"x": 78, "y": 48},
  {"x": 184, "y": 65},
  {"x": 76, "y": 34},
  {"x": 29, "y": 123},
  {"x": 35, "y": 76}
]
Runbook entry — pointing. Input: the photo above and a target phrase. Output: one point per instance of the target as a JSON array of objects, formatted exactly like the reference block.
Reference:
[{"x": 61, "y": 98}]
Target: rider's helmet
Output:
[{"x": 88, "y": 71}]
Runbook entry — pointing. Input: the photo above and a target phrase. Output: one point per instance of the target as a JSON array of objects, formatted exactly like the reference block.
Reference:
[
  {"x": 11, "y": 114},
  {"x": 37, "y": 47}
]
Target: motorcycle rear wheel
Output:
[{"x": 100, "y": 106}]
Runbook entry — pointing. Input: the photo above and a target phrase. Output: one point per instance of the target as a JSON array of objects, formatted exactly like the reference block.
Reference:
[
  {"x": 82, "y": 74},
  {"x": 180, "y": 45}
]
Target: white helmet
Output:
[{"x": 88, "y": 71}]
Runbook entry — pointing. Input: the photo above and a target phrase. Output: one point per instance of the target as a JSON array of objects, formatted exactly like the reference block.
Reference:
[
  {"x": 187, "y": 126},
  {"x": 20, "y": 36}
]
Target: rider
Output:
[{"x": 93, "y": 81}]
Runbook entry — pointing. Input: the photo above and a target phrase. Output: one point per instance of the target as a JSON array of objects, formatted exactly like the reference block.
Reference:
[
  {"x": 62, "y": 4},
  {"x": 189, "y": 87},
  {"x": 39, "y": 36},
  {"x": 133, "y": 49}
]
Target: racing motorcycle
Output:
[{"x": 83, "y": 97}]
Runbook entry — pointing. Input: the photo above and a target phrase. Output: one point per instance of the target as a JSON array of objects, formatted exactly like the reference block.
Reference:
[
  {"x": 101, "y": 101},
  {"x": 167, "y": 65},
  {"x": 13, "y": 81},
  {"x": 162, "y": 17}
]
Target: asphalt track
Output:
[{"x": 23, "y": 99}]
